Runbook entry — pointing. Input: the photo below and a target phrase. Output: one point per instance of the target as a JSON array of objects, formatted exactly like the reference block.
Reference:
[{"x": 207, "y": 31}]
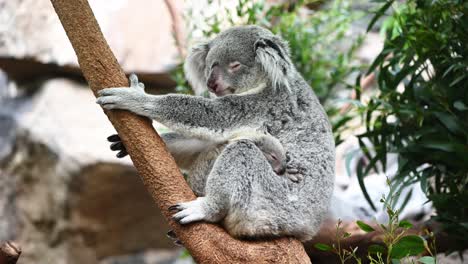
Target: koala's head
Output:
[
  {"x": 273, "y": 151},
  {"x": 238, "y": 60}
]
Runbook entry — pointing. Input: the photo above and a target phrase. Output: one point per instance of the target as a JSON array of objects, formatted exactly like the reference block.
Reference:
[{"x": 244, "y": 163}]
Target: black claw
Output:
[
  {"x": 171, "y": 234},
  {"x": 114, "y": 138},
  {"x": 122, "y": 153},
  {"x": 117, "y": 146},
  {"x": 177, "y": 242},
  {"x": 177, "y": 219},
  {"x": 174, "y": 208}
]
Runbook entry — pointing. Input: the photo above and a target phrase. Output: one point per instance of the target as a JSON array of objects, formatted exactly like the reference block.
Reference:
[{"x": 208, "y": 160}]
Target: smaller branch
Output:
[
  {"x": 362, "y": 240},
  {"x": 9, "y": 252},
  {"x": 177, "y": 27}
]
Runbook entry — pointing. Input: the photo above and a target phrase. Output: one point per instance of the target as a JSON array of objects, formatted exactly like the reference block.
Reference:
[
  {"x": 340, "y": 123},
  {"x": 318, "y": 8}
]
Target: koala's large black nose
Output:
[
  {"x": 280, "y": 171},
  {"x": 213, "y": 80},
  {"x": 212, "y": 84}
]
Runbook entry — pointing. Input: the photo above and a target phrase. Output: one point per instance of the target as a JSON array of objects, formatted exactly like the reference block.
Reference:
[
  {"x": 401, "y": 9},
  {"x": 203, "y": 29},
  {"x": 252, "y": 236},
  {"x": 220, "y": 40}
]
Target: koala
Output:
[
  {"x": 253, "y": 81},
  {"x": 196, "y": 156}
]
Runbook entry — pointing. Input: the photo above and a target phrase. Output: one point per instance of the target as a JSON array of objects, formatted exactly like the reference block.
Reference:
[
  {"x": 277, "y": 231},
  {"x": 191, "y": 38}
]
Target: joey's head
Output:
[
  {"x": 238, "y": 60},
  {"x": 273, "y": 151}
]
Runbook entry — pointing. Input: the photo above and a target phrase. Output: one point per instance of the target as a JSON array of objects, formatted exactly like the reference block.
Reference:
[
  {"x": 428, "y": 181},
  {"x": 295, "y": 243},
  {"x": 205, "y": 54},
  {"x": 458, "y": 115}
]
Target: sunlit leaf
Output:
[
  {"x": 408, "y": 246},
  {"x": 323, "y": 247},
  {"x": 364, "y": 227}
]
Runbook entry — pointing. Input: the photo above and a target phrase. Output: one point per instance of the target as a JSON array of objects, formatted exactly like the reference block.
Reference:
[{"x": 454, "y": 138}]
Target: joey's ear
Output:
[
  {"x": 264, "y": 129},
  {"x": 194, "y": 67},
  {"x": 273, "y": 54}
]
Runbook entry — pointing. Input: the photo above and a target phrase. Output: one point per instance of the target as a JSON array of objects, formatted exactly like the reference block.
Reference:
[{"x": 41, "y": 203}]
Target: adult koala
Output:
[{"x": 250, "y": 71}]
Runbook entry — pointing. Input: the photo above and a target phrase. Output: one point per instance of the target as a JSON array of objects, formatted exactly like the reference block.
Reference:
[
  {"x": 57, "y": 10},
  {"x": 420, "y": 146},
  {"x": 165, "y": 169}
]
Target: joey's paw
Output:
[
  {"x": 294, "y": 174},
  {"x": 295, "y": 177},
  {"x": 121, "y": 98},
  {"x": 188, "y": 212}
]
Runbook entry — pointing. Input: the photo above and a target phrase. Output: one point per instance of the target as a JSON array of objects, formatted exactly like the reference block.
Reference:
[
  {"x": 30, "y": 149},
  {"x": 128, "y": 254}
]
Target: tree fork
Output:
[{"x": 206, "y": 243}]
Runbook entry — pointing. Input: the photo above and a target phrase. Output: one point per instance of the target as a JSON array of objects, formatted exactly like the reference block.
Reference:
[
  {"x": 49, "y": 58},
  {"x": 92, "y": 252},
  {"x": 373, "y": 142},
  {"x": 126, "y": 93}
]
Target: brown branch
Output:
[
  {"x": 9, "y": 252},
  {"x": 26, "y": 70},
  {"x": 207, "y": 243},
  {"x": 176, "y": 27},
  {"x": 362, "y": 240}
]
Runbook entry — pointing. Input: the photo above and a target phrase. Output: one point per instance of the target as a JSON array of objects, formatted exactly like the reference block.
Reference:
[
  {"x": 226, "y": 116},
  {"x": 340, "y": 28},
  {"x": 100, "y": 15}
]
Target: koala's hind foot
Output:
[
  {"x": 117, "y": 145},
  {"x": 193, "y": 211}
]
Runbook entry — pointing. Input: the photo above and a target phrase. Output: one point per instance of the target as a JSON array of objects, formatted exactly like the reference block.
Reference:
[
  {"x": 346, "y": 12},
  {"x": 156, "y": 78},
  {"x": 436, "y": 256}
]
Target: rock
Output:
[
  {"x": 40, "y": 35},
  {"x": 64, "y": 197}
]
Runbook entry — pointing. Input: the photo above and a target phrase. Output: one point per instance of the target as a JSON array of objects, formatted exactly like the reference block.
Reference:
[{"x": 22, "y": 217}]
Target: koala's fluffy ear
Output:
[
  {"x": 273, "y": 54},
  {"x": 194, "y": 67}
]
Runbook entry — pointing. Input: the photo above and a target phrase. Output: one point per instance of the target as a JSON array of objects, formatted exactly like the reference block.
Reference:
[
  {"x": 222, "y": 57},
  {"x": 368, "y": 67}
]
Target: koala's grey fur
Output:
[
  {"x": 197, "y": 156},
  {"x": 241, "y": 190}
]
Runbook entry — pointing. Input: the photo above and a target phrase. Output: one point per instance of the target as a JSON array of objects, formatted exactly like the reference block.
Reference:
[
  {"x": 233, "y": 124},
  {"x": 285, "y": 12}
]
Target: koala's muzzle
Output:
[{"x": 215, "y": 82}]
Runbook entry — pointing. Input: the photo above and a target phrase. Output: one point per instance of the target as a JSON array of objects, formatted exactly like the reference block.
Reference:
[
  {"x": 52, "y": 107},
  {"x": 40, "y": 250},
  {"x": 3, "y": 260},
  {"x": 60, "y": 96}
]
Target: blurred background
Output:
[{"x": 392, "y": 76}]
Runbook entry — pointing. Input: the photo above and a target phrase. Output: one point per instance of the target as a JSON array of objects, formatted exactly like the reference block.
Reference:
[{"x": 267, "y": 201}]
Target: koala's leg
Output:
[
  {"x": 185, "y": 150},
  {"x": 229, "y": 184},
  {"x": 201, "y": 168},
  {"x": 202, "y": 117}
]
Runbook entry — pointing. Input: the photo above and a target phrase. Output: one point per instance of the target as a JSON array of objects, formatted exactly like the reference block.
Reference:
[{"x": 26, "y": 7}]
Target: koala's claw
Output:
[
  {"x": 172, "y": 236},
  {"x": 114, "y": 138},
  {"x": 188, "y": 212},
  {"x": 117, "y": 145},
  {"x": 174, "y": 208},
  {"x": 121, "y": 153}
]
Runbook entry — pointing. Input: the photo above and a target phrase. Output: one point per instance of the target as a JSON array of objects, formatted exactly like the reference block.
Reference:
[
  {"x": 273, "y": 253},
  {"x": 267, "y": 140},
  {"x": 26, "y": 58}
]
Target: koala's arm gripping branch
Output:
[{"x": 154, "y": 164}]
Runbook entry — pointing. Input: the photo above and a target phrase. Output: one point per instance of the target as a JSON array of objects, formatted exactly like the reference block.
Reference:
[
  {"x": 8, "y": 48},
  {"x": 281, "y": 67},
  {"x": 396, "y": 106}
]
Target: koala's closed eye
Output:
[{"x": 234, "y": 66}]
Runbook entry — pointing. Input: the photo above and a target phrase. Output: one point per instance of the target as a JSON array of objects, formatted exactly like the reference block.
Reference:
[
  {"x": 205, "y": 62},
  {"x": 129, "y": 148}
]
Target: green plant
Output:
[
  {"x": 343, "y": 254},
  {"x": 397, "y": 245},
  {"x": 420, "y": 111},
  {"x": 316, "y": 40}
]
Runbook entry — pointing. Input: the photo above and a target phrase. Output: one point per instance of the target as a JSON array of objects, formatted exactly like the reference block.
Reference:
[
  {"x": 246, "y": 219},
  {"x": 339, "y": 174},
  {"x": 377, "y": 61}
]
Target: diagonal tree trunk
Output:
[{"x": 207, "y": 243}]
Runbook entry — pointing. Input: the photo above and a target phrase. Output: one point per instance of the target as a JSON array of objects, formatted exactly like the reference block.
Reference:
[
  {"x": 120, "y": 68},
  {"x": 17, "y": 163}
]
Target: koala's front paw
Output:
[
  {"x": 189, "y": 212},
  {"x": 173, "y": 236},
  {"x": 131, "y": 98}
]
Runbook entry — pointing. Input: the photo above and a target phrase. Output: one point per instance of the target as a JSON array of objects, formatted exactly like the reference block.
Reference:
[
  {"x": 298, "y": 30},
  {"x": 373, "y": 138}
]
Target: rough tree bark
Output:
[{"x": 206, "y": 243}]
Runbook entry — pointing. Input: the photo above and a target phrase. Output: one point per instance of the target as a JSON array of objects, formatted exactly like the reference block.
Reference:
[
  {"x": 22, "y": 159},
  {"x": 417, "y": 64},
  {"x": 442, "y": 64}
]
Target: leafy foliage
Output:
[
  {"x": 316, "y": 40},
  {"x": 420, "y": 112},
  {"x": 396, "y": 244}
]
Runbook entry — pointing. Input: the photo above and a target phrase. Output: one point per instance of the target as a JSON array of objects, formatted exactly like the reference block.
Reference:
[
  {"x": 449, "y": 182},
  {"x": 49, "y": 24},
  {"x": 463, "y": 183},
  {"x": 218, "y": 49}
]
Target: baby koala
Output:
[{"x": 197, "y": 156}]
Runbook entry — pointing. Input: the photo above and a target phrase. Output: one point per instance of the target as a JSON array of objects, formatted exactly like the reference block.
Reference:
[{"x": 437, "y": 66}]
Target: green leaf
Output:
[
  {"x": 323, "y": 247},
  {"x": 405, "y": 224},
  {"x": 364, "y": 227},
  {"x": 449, "y": 121},
  {"x": 374, "y": 249},
  {"x": 427, "y": 260},
  {"x": 459, "y": 105},
  {"x": 378, "y": 14},
  {"x": 407, "y": 246},
  {"x": 360, "y": 177}
]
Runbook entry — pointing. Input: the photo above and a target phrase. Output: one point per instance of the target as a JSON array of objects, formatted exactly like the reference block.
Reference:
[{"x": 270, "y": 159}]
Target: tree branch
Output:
[{"x": 207, "y": 243}]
